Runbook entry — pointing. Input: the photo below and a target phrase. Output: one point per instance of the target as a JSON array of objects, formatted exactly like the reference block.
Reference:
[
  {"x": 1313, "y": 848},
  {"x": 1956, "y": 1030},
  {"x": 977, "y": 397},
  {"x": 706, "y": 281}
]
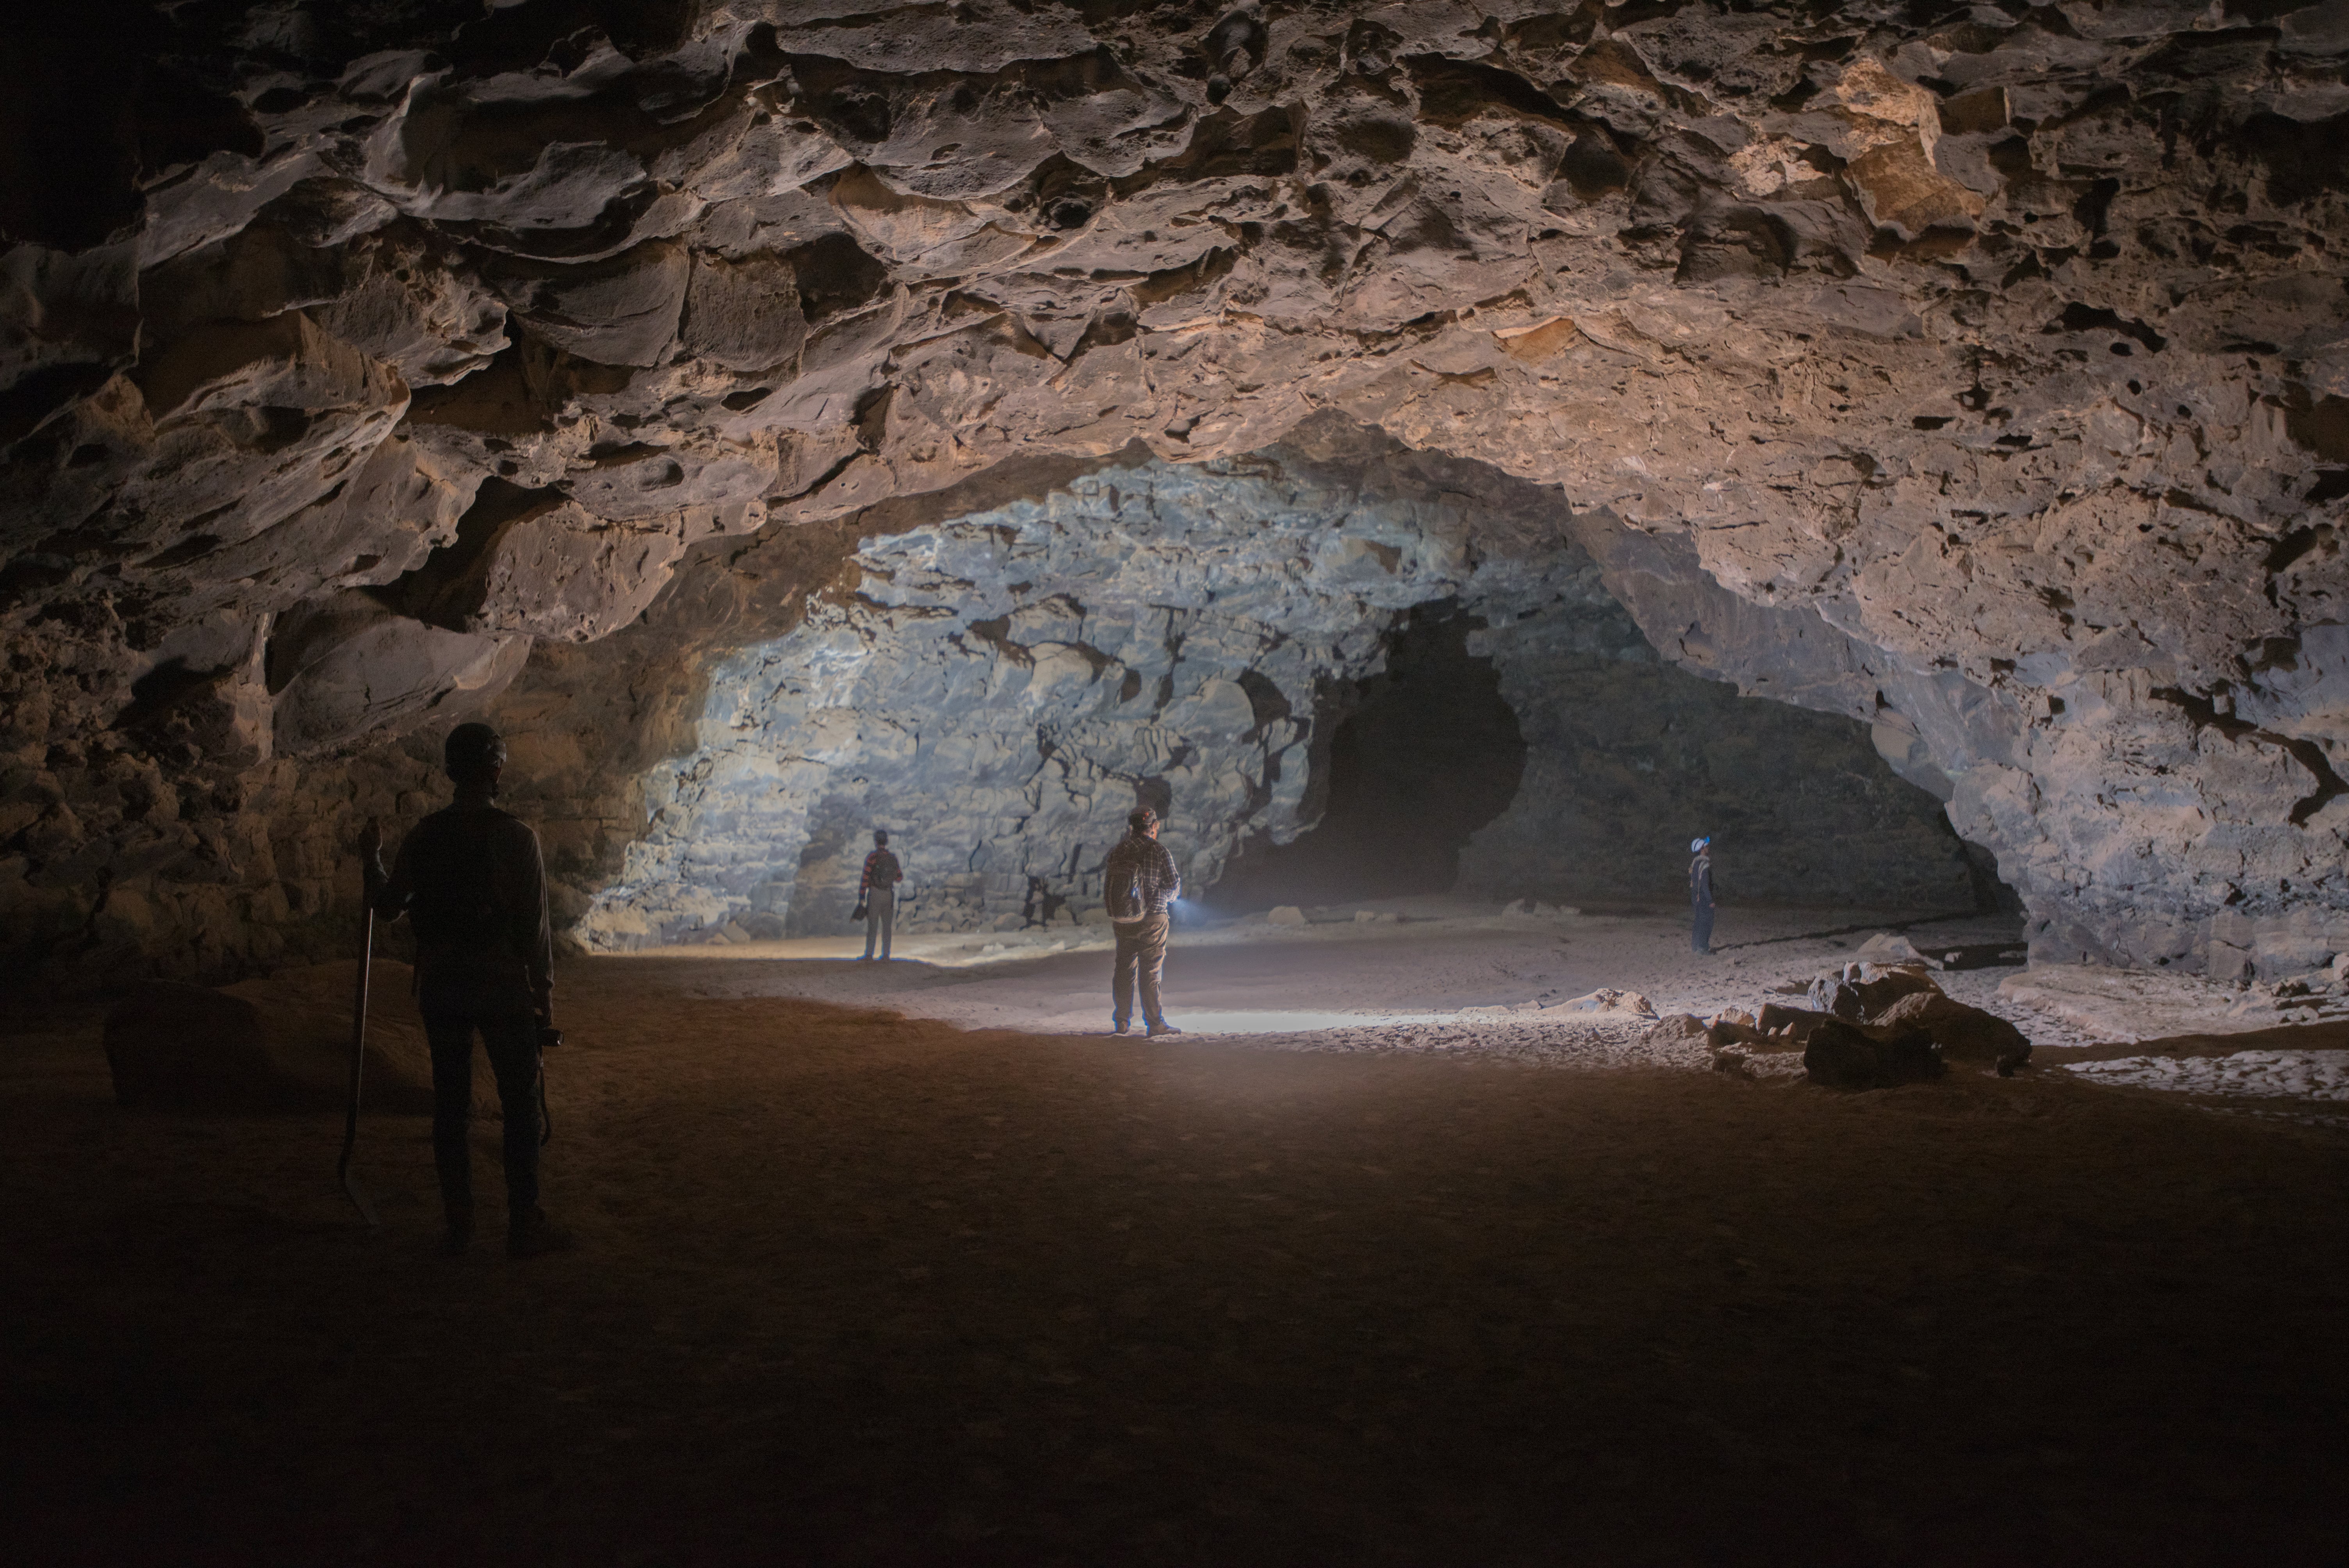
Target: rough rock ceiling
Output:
[{"x": 1998, "y": 352}]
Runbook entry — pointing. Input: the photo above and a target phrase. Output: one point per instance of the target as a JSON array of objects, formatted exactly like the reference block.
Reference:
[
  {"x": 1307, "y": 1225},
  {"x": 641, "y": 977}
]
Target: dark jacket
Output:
[
  {"x": 471, "y": 881},
  {"x": 1700, "y": 881}
]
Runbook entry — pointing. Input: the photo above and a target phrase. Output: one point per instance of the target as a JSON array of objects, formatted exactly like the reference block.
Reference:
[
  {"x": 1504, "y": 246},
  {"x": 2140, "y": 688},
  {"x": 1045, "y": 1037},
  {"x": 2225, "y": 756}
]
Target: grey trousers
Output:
[
  {"x": 1141, "y": 951},
  {"x": 880, "y": 919}
]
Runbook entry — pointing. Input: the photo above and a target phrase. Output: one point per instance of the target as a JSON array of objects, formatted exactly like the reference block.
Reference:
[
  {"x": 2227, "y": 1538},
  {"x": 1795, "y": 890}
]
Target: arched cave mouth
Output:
[
  {"x": 340, "y": 392},
  {"x": 1417, "y": 758},
  {"x": 1334, "y": 682}
]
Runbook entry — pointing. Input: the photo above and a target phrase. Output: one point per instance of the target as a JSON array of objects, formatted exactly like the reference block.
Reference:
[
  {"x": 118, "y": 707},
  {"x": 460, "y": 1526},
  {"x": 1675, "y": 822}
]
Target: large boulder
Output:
[
  {"x": 178, "y": 1044},
  {"x": 1841, "y": 1056},
  {"x": 1964, "y": 1034},
  {"x": 276, "y": 1043}
]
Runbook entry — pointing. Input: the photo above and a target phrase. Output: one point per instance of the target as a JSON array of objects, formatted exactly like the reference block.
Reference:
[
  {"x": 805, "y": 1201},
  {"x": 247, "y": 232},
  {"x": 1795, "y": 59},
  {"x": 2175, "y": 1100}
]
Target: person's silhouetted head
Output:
[
  {"x": 880, "y": 838},
  {"x": 1142, "y": 820},
  {"x": 473, "y": 756}
]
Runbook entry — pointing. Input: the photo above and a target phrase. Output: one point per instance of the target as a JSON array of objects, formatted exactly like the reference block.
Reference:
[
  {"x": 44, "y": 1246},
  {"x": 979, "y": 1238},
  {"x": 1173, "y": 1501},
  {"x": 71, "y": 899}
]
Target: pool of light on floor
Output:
[{"x": 1295, "y": 1023}]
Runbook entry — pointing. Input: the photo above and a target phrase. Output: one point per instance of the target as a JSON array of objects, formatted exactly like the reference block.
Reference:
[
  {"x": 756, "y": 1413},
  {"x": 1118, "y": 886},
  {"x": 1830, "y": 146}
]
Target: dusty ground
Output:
[
  {"x": 1302, "y": 987},
  {"x": 859, "y": 1288}
]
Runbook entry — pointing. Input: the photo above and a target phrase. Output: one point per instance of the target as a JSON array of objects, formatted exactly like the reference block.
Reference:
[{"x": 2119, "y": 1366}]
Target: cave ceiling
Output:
[{"x": 1979, "y": 371}]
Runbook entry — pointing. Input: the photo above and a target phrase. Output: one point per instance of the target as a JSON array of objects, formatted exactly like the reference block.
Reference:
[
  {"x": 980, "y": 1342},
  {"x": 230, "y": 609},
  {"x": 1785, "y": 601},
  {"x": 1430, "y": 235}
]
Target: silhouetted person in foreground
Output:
[
  {"x": 876, "y": 892},
  {"x": 471, "y": 879},
  {"x": 1139, "y": 885},
  {"x": 1700, "y": 896}
]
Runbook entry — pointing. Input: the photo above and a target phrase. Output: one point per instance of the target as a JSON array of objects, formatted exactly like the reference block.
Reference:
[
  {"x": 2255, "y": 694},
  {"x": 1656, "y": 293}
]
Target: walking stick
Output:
[{"x": 370, "y": 847}]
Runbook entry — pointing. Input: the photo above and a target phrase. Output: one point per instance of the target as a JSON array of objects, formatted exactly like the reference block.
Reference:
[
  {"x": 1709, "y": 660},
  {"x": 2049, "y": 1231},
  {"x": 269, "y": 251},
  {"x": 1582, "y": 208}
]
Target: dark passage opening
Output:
[{"x": 1426, "y": 753}]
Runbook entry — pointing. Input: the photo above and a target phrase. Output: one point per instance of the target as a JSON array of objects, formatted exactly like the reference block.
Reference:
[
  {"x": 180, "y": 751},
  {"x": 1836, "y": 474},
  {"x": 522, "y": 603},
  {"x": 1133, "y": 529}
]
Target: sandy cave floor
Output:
[
  {"x": 907, "y": 1286},
  {"x": 1436, "y": 975},
  {"x": 1442, "y": 975}
]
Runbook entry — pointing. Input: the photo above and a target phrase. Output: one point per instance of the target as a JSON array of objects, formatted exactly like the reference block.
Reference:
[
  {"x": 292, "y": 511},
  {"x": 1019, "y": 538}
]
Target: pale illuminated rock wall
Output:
[{"x": 999, "y": 689}]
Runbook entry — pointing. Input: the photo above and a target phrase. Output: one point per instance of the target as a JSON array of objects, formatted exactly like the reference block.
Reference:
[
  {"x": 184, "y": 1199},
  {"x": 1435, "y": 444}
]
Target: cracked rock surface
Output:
[
  {"x": 1979, "y": 373},
  {"x": 999, "y": 688}
]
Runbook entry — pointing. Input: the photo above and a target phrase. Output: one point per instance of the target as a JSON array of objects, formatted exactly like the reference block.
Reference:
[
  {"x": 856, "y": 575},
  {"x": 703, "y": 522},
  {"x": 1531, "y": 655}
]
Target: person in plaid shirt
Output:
[
  {"x": 876, "y": 891},
  {"x": 1139, "y": 884}
]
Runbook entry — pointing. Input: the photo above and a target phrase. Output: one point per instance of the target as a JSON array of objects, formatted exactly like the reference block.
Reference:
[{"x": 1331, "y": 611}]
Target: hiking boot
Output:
[
  {"x": 1162, "y": 1028},
  {"x": 1118, "y": 1025},
  {"x": 530, "y": 1236}
]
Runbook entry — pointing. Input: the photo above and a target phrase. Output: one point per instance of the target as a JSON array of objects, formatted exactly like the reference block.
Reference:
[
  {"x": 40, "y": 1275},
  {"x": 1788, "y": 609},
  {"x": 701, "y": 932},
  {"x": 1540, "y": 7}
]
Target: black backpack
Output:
[{"x": 1120, "y": 895}]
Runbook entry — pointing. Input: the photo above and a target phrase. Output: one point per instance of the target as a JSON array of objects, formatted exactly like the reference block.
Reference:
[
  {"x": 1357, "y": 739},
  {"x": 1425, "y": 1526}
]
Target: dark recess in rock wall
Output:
[
  {"x": 86, "y": 113},
  {"x": 1628, "y": 762},
  {"x": 1419, "y": 756}
]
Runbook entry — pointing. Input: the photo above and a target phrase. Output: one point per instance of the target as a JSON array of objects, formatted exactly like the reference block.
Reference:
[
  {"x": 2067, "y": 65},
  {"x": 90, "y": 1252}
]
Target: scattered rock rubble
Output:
[{"x": 1868, "y": 1025}]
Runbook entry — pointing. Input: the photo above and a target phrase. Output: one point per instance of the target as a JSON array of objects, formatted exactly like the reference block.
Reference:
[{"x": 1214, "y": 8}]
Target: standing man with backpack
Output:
[
  {"x": 876, "y": 895},
  {"x": 1139, "y": 885},
  {"x": 472, "y": 879}
]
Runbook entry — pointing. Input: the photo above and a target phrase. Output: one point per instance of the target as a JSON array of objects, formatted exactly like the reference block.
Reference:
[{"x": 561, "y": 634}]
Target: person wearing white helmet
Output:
[{"x": 1700, "y": 895}]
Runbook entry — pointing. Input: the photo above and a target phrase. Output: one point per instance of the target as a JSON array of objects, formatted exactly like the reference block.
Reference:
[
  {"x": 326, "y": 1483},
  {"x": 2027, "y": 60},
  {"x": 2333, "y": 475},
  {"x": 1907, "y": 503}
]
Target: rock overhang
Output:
[{"x": 1983, "y": 372}]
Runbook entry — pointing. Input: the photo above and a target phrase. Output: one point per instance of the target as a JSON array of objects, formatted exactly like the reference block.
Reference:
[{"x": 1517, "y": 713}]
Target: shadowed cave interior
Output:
[
  {"x": 1419, "y": 758},
  {"x": 1421, "y": 790},
  {"x": 1443, "y": 459}
]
